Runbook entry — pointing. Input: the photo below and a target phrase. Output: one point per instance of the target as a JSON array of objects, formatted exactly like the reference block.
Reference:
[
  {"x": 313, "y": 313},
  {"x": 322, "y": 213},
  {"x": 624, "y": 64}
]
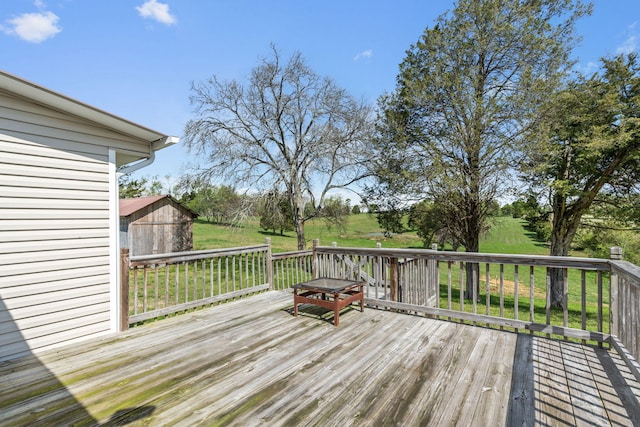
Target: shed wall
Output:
[
  {"x": 54, "y": 228},
  {"x": 161, "y": 227}
]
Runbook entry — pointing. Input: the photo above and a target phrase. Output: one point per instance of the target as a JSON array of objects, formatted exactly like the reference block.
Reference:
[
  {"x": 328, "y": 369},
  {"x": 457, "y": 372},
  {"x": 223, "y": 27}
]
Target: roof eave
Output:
[{"x": 52, "y": 99}]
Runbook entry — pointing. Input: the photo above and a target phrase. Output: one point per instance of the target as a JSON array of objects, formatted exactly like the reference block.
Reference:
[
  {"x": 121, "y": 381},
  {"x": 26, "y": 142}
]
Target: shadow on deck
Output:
[{"x": 249, "y": 362}]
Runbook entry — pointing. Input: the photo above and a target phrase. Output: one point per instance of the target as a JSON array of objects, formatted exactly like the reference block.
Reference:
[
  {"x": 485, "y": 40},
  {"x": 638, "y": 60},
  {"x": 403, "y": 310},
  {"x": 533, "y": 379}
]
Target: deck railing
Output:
[
  {"x": 159, "y": 285},
  {"x": 290, "y": 268},
  {"x": 625, "y": 311},
  {"x": 504, "y": 290},
  {"x": 162, "y": 284},
  {"x": 600, "y": 304},
  {"x": 600, "y": 297}
]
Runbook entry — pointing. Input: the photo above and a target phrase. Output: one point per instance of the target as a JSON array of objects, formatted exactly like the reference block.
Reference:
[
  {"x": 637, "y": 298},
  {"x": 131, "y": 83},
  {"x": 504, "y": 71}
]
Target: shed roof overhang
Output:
[{"x": 51, "y": 99}]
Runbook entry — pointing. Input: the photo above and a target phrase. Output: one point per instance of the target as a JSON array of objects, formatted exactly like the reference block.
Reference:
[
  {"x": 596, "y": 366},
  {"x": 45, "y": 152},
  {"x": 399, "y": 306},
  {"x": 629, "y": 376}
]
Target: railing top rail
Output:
[
  {"x": 292, "y": 254},
  {"x": 627, "y": 269},
  {"x": 194, "y": 255},
  {"x": 475, "y": 257}
]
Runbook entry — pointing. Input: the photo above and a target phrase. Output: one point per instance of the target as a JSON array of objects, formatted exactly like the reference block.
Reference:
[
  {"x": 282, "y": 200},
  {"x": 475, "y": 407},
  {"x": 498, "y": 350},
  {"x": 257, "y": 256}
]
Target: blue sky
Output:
[{"x": 137, "y": 58}]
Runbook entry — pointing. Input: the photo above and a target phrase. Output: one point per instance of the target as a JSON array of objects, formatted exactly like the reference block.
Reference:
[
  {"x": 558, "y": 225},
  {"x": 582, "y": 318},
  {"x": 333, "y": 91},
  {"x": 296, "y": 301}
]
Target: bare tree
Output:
[{"x": 287, "y": 128}]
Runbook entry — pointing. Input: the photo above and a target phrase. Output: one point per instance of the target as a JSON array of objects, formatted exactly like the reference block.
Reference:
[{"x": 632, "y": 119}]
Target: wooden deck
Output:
[{"x": 250, "y": 362}]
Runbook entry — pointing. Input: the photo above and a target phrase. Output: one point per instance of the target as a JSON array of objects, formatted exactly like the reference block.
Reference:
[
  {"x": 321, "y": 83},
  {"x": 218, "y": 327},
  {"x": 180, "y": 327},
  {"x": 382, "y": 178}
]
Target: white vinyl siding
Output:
[
  {"x": 72, "y": 135},
  {"x": 55, "y": 271}
]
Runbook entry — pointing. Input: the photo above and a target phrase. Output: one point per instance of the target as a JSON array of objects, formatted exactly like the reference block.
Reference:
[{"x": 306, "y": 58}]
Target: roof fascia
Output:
[{"x": 57, "y": 101}]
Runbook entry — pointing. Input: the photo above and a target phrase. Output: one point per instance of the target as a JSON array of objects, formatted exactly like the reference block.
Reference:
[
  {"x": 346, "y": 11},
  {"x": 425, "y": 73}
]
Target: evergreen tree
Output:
[{"x": 466, "y": 103}]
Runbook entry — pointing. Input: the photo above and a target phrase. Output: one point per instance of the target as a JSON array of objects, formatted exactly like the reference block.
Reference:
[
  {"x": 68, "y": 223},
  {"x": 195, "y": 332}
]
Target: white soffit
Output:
[{"x": 51, "y": 99}]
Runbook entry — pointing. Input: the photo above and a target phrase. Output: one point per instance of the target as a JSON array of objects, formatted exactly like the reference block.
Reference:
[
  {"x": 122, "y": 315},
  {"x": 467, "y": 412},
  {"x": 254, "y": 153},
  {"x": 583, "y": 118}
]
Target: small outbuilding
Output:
[{"x": 155, "y": 225}]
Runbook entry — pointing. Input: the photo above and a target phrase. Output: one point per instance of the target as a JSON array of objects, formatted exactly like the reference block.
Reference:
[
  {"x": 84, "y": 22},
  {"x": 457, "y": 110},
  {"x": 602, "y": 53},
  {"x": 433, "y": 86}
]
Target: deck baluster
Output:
[
  {"x": 501, "y": 292},
  {"x": 487, "y": 280},
  {"x": 145, "y": 294},
  {"x": 532, "y": 306}
]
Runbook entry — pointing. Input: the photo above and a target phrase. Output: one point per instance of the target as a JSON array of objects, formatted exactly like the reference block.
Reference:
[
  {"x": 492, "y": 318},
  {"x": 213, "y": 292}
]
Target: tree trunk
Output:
[
  {"x": 472, "y": 270},
  {"x": 472, "y": 244},
  {"x": 564, "y": 226},
  {"x": 297, "y": 209},
  {"x": 300, "y": 233},
  {"x": 559, "y": 247}
]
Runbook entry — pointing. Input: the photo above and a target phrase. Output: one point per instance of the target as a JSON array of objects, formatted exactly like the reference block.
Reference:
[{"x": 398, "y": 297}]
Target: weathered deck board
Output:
[
  {"x": 250, "y": 362},
  {"x": 586, "y": 401},
  {"x": 615, "y": 391},
  {"x": 552, "y": 398}
]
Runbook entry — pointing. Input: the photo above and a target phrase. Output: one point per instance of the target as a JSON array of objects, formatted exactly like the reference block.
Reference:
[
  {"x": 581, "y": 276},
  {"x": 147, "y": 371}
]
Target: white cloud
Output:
[
  {"x": 588, "y": 69},
  {"x": 364, "y": 54},
  {"x": 630, "y": 44},
  {"x": 33, "y": 27},
  {"x": 152, "y": 9}
]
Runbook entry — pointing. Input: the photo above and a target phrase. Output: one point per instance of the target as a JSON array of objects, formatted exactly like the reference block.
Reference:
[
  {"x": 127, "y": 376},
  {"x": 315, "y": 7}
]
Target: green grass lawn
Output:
[
  {"x": 362, "y": 231},
  {"x": 506, "y": 236}
]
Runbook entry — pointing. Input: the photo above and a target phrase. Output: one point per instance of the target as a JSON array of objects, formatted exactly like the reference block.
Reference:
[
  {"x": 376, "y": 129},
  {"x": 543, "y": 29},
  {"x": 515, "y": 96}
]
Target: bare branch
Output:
[{"x": 288, "y": 127}]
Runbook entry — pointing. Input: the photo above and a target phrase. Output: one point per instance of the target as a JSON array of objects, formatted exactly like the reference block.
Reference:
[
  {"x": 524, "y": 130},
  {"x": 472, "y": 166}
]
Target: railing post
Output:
[
  {"x": 124, "y": 290},
  {"x": 393, "y": 273},
  {"x": 333, "y": 265},
  {"x": 614, "y": 304},
  {"x": 616, "y": 253},
  {"x": 269, "y": 264},
  {"x": 314, "y": 259},
  {"x": 433, "y": 287}
]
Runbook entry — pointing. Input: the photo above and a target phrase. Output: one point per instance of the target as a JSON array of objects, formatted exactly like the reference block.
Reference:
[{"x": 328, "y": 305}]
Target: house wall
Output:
[
  {"x": 54, "y": 227},
  {"x": 161, "y": 227}
]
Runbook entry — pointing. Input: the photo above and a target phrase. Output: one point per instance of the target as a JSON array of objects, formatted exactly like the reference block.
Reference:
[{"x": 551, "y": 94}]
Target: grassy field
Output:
[{"x": 506, "y": 236}]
